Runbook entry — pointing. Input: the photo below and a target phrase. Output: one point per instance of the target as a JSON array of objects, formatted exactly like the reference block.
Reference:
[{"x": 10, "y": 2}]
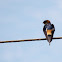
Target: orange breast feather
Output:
[{"x": 49, "y": 32}]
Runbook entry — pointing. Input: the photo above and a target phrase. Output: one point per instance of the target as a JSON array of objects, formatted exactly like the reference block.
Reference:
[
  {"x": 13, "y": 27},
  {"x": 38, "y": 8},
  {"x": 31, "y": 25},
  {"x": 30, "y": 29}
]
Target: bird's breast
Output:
[{"x": 49, "y": 32}]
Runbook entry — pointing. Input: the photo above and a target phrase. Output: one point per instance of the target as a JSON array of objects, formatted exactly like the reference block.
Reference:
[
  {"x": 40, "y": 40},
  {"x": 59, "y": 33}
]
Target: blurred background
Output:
[{"x": 23, "y": 19}]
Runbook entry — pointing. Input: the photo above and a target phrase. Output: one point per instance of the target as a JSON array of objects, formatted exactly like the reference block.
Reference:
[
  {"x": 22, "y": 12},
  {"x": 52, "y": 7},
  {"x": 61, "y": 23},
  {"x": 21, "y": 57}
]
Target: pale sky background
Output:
[{"x": 23, "y": 19}]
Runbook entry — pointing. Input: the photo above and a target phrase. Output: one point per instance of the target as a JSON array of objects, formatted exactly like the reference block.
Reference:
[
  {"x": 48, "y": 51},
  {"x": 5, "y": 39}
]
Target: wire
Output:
[{"x": 28, "y": 40}]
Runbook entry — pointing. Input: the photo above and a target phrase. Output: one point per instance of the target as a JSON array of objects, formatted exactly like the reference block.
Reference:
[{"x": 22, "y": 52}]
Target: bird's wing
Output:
[
  {"x": 53, "y": 27},
  {"x": 53, "y": 30},
  {"x": 44, "y": 30}
]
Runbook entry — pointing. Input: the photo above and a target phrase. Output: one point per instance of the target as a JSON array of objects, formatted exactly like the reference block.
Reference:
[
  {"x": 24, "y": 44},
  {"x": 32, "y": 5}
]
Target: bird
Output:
[{"x": 48, "y": 30}]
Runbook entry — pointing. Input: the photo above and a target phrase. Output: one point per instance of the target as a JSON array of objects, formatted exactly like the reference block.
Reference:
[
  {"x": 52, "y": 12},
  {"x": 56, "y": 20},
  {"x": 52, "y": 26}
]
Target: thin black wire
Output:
[{"x": 28, "y": 40}]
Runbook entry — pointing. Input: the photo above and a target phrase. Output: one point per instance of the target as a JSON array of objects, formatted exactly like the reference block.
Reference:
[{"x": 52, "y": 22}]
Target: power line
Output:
[{"x": 28, "y": 40}]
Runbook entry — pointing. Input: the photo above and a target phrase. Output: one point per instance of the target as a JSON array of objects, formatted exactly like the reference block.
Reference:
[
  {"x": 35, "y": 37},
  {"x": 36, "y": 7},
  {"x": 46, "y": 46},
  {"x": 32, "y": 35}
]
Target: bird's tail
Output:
[
  {"x": 49, "y": 44},
  {"x": 49, "y": 39}
]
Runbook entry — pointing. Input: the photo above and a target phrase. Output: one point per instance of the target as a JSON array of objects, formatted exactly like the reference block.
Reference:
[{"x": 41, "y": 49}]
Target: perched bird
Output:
[{"x": 48, "y": 30}]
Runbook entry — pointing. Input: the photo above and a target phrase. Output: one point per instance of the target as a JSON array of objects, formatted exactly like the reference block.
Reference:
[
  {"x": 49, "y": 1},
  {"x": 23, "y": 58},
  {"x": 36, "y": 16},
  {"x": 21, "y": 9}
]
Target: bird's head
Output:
[{"x": 46, "y": 22}]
